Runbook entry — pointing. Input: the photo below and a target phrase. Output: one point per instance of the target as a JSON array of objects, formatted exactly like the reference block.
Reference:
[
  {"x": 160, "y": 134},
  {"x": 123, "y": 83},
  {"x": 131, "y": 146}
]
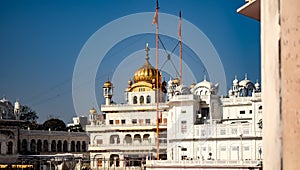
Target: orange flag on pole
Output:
[{"x": 155, "y": 18}]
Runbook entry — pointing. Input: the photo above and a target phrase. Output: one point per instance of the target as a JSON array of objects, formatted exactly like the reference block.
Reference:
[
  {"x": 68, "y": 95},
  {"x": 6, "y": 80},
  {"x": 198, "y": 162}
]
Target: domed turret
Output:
[
  {"x": 107, "y": 84},
  {"x": 17, "y": 110},
  {"x": 235, "y": 82},
  {"x": 93, "y": 110},
  {"x": 108, "y": 91},
  {"x": 257, "y": 86},
  {"x": 147, "y": 73},
  {"x": 176, "y": 81},
  {"x": 244, "y": 82}
]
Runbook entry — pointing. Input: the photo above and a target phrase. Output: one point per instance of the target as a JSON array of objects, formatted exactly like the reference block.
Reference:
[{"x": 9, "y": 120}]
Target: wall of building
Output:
[{"x": 290, "y": 84}]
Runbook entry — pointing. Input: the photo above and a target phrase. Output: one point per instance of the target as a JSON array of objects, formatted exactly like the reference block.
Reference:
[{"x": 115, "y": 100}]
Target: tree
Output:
[
  {"x": 54, "y": 124},
  {"x": 28, "y": 114}
]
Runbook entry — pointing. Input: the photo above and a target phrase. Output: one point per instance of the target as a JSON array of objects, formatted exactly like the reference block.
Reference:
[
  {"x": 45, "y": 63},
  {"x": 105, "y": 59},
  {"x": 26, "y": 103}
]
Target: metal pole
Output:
[{"x": 157, "y": 87}]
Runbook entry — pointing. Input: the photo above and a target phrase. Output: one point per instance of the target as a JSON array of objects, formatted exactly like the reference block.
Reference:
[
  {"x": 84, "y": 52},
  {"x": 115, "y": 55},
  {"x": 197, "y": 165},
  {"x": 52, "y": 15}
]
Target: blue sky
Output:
[{"x": 41, "y": 40}]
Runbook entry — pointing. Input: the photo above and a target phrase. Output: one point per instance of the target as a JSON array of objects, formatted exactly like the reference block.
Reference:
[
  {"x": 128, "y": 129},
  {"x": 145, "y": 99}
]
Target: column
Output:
[{"x": 290, "y": 82}]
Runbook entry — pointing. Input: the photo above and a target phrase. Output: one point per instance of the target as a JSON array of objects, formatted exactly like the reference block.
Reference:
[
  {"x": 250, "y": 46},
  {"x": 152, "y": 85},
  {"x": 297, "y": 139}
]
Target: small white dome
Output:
[
  {"x": 235, "y": 81},
  {"x": 17, "y": 105},
  {"x": 243, "y": 83},
  {"x": 206, "y": 84},
  {"x": 257, "y": 85}
]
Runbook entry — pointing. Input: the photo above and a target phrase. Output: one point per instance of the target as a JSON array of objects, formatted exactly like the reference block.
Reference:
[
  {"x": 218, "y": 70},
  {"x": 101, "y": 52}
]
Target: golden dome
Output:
[
  {"x": 107, "y": 84},
  {"x": 176, "y": 81},
  {"x": 93, "y": 110},
  {"x": 145, "y": 73}
]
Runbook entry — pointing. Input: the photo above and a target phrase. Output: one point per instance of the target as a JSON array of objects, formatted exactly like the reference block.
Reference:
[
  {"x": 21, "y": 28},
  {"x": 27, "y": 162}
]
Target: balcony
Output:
[
  {"x": 131, "y": 146},
  {"x": 201, "y": 163},
  {"x": 130, "y": 107},
  {"x": 140, "y": 126}
]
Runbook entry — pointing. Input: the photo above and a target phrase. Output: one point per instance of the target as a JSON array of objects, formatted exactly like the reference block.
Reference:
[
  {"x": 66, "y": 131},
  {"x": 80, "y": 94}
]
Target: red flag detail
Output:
[{"x": 155, "y": 18}]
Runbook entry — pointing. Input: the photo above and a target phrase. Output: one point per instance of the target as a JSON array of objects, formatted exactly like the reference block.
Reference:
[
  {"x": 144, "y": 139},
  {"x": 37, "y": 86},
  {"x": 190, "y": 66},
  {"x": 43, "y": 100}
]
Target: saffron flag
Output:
[
  {"x": 155, "y": 18},
  {"x": 179, "y": 26}
]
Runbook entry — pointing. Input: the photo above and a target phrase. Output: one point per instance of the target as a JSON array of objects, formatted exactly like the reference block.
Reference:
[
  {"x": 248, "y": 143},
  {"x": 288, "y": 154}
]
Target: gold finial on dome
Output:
[
  {"x": 107, "y": 83},
  {"x": 147, "y": 49},
  {"x": 93, "y": 110},
  {"x": 147, "y": 72}
]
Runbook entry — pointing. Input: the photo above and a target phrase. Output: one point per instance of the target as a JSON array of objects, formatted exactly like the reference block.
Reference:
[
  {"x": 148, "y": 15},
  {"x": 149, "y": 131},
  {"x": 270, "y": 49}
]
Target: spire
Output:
[
  {"x": 204, "y": 78},
  {"x": 246, "y": 77},
  {"x": 147, "y": 51}
]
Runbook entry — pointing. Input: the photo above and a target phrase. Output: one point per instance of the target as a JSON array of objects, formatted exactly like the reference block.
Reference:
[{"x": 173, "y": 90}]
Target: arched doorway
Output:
[
  {"x": 73, "y": 146},
  {"x": 78, "y": 146},
  {"x": 146, "y": 138},
  {"x": 39, "y": 146},
  {"x": 53, "y": 146},
  {"x": 59, "y": 146},
  {"x": 10, "y": 147},
  {"x": 65, "y": 146},
  {"x": 24, "y": 145},
  {"x": 128, "y": 139},
  {"x": 45, "y": 146},
  {"x": 32, "y": 146},
  {"x": 114, "y": 160},
  {"x": 114, "y": 139},
  {"x": 137, "y": 138}
]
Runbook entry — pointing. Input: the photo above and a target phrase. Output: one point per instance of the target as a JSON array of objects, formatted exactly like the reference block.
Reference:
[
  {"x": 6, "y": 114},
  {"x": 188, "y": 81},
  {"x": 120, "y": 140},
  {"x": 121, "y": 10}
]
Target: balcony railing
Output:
[
  {"x": 131, "y": 146},
  {"x": 192, "y": 163},
  {"x": 124, "y": 126}
]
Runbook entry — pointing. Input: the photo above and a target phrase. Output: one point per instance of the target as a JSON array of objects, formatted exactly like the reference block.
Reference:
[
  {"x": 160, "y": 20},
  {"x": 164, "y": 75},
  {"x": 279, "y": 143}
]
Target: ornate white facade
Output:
[
  {"x": 202, "y": 125},
  {"x": 127, "y": 135},
  {"x": 195, "y": 123}
]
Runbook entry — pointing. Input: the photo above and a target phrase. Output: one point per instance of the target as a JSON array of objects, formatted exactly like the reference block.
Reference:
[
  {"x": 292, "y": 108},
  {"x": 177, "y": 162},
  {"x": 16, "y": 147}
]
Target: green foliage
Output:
[
  {"x": 28, "y": 114},
  {"x": 54, "y": 124}
]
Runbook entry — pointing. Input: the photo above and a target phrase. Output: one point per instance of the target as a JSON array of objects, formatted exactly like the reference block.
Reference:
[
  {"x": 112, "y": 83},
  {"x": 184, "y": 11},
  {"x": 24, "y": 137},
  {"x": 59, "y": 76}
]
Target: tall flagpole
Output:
[
  {"x": 155, "y": 21},
  {"x": 180, "y": 43}
]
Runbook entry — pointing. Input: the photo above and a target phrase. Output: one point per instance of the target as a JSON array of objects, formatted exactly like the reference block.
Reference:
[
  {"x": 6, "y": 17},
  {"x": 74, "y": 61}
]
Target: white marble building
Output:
[
  {"x": 205, "y": 126},
  {"x": 195, "y": 123},
  {"x": 127, "y": 135}
]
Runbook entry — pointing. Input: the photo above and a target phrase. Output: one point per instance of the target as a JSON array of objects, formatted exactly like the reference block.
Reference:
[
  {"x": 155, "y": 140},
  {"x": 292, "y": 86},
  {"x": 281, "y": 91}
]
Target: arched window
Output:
[
  {"x": 39, "y": 146},
  {"x": 10, "y": 147},
  {"x": 83, "y": 146},
  {"x": 53, "y": 146},
  {"x": 141, "y": 99},
  {"x": 73, "y": 146},
  {"x": 59, "y": 146},
  {"x": 128, "y": 139},
  {"x": 32, "y": 145},
  {"x": 134, "y": 100},
  {"x": 65, "y": 146},
  {"x": 146, "y": 138},
  {"x": 24, "y": 145},
  {"x": 148, "y": 99},
  {"x": 45, "y": 146},
  {"x": 137, "y": 138},
  {"x": 78, "y": 146},
  {"x": 114, "y": 139}
]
